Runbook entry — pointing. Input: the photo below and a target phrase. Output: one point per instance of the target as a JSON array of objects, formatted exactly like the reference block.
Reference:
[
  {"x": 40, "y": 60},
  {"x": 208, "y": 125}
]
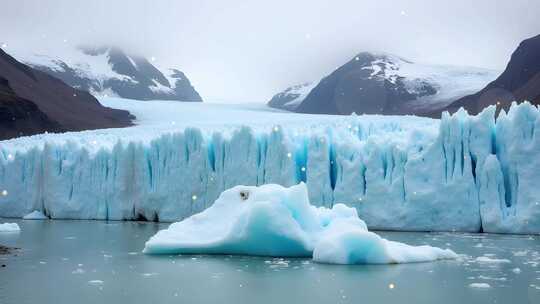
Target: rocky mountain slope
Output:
[
  {"x": 379, "y": 83},
  {"x": 292, "y": 97},
  {"x": 34, "y": 102},
  {"x": 520, "y": 81}
]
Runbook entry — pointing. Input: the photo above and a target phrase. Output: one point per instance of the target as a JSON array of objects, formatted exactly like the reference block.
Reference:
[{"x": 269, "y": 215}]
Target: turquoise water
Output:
[{"x": 101, "y": 262}]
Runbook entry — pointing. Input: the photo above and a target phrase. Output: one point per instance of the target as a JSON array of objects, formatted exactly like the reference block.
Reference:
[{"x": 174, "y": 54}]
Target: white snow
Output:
[
  {"x": 298, "y": 93},
  {"x": 9, "y": 227},
  {"x": 168, "y": 73},
  {"x": 90, "y": 66},
  {"x": 159, "y": 88},
  {"x": 453, "y": 82},
  {"x": 133, "y": 63},
  {"x": 460, "y": 173},
  {"x": 271, "y": 220},
  {"x": 35, "y": 215}
]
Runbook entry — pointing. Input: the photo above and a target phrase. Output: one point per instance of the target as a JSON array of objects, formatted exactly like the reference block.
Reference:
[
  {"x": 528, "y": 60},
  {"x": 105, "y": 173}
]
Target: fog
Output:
[{"x": 246, "y": 51}]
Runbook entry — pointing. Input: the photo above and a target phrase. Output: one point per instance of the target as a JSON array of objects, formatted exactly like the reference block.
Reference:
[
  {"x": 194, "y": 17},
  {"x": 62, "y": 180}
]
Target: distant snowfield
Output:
[
  {"x": 173, "y": 115},
  {"x": 158, "y": 117},
  {"x": 460, "y": 173}
]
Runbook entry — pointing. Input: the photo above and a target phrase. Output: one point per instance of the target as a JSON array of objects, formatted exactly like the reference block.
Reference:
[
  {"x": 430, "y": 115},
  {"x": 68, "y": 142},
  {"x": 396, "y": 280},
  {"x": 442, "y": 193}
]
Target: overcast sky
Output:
[{"x": 245, "y": 51}]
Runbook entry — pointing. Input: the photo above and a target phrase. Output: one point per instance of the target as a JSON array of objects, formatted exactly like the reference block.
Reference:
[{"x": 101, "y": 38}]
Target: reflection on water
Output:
[{"x": 101, "y": 262}]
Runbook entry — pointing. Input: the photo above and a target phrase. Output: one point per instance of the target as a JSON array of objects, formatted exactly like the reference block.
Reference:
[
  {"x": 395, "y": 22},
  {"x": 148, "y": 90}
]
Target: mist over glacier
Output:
[{"x": 460, "y": 173}]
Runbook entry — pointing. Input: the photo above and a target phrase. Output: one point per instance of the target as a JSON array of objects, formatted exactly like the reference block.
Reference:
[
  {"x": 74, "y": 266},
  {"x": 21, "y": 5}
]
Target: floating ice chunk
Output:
[
  {"x": 483, "y": 277},
  {"x": 78, "y": 271},
  {"x": 272, "y": 220},
  {"x": 35, "y": 215},
  {"x": 348, "y": 242},
  {"x": 480, "y": 285},
  {"x": 9, "y": 227},
  {"x": 485, "y": 259}
]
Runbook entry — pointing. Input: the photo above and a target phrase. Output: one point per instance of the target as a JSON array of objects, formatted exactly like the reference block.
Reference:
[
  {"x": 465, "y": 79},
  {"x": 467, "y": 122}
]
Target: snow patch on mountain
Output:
[
  {"x": 450, "y": 82},
  {"x": 291, "y": 97},
  {"x": 91, "y": 66},
  {"x": 380, "y": 83},
  {"x": 108, "y": 71}
]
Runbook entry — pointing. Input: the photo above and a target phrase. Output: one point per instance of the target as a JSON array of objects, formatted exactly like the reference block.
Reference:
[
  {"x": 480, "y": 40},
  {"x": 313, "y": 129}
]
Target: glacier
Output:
[
  {"x": 459, "y": 173},
  {"x": 271, "y": 220}
]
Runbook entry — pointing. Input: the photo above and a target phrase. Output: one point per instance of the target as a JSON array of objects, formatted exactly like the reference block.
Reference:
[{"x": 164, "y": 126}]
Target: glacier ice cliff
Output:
[{"x": 460, "y": 173}]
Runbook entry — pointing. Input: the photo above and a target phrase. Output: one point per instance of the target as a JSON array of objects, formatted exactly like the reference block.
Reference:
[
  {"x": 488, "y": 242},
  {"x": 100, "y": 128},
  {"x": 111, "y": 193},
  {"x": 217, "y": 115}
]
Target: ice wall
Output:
[{"x": 464, "y": 173}]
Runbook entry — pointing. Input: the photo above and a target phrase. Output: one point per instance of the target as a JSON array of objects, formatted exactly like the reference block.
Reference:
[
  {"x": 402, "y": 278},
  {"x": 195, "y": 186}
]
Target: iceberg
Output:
[
  {"x": 272, "y": 220},
  {"x": 9, "y": 227},
  {"x": 35, "y": 215},
  {"x": 460, "y": 173}
]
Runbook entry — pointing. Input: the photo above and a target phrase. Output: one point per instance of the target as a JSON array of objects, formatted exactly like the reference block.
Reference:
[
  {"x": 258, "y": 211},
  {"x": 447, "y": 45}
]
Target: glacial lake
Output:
[{"x": 101, "y": 262}]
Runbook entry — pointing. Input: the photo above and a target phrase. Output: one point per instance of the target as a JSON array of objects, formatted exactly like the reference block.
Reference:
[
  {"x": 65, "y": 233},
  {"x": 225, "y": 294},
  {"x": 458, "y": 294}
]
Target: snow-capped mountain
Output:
[
  {"x": 520, "y": 81},
  {"x": 379, "y": 83},
  {"x": 109, "y": 71},
  {"x": 290, "y": 98},
  {"x": 33, "y": 102}
]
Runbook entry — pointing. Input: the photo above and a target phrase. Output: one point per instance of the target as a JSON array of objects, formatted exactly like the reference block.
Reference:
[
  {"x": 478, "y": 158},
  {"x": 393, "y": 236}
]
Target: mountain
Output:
[
  {"x": 19, "y": 116},
  {"x": 34, "y": 102},
  {"x": 290, "y": 98},
  {"x": 109, "y": 71},
  {"x": 520, "y": 81},
  {"x": 378, "y": 83}
]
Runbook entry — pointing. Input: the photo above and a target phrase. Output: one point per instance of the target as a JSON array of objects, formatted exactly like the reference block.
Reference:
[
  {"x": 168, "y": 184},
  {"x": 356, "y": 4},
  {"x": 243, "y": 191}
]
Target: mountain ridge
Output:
[
  {"x": 110, "y": 71},
  {"x": 382, "y": 83},
  {"x": 520, "y": 81},
  {"x": 33, "y": 102}
]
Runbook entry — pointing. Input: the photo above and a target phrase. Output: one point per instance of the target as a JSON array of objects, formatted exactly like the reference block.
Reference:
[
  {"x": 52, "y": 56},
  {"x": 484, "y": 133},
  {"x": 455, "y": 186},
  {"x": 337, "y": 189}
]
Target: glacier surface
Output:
[
  {"x": 271, "y": 220},
  {"x": 459, "y": 173}
]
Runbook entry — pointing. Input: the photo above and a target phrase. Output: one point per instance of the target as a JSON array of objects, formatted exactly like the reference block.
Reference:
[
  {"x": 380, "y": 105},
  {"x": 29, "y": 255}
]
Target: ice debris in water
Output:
[
  {"x": 272, "y": 220},
  {"x": 78, "y": 271},
  {"x": 9, "y": 227},
  {"x": 35, "y": 215},
  {"x": 480, "y": 285},
  {"x": 485, "y": 259}
]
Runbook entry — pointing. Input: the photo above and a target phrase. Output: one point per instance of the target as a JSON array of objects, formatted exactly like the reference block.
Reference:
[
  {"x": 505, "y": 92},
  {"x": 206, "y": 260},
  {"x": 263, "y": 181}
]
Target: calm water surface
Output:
[{"x": 101, "y": 262}]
